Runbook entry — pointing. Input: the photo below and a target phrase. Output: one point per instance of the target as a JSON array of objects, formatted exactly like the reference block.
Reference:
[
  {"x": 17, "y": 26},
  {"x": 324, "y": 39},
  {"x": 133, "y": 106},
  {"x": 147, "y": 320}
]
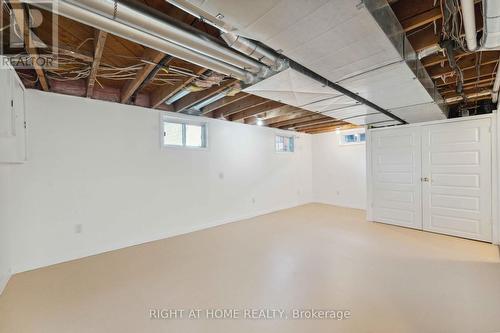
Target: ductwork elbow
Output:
[{"x": 254, "y": 51}]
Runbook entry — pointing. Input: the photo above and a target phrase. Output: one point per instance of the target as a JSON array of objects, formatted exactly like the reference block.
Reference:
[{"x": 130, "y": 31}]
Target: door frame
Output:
[{"x": 495, "y": 154}]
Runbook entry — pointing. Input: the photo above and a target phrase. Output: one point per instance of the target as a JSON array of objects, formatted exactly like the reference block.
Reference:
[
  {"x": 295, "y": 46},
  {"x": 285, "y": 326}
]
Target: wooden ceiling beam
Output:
[
  {"x": 241, "y": 105},
  {"x": 313, "y": 122},
  {"x": 464, "y": 63},
  {"x": 439, "y": 58},
  {"x": 196, "y": 97},
  {"x": 285, "y": 110},
  {"x": 452, "y": 88},
  {"x": 485, "y": 94},
  {"x": 468, "y": 88},
  {"x": 421, "y": 19},
  {"x": 469, "y": 74},
  {"x": 22, "y": 22},
  {"x": 318, "y": 126},
  {"x": 425, "y": 38},
  {"x": 162, "y": 94},
  {"x": 222, "y": 102},
  {"x": 292, "y": 121},
  {"x": 256, "y": 110},
  {"x": 77, "y": 54},
  {"x": 329, "y": 129},
  {"x": 406, "y": 9},
  {"x": 152, "y": 58},
  {"x": 99, "y": 42},
  {"x": 285, "y": 117}
]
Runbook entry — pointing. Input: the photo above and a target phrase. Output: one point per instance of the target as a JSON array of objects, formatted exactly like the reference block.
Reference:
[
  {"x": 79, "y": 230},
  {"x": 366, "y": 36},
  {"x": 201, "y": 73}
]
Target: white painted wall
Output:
[
  {"x": 100, "y": 165},
  {"x": 339, "y": 171},
  {"x": 5, "y": 263}
]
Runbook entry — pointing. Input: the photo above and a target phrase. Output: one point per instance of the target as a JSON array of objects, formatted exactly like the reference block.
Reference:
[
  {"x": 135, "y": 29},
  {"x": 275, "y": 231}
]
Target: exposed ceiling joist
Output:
[
  {"x": 223, "y": 102},
  {"x": 439, "y": 58},
  {"x": 328, "y": 129},
  {"x": 421, "y": 19},
  {"x": 77, "y": 54},
  {"x": 282, "y": 110},
  {"x": 331, "y": 122},
  {"x": 470, "y": 74},
  {"x": 243, "y": 104},
  {"x": 285, "y": 117},
  {"x": 253, "y": 111},
  {"x": 99, "y": 42},
  {"x": 152, "y": 58},
  {"x": 297, "y": 120},
  {"x": 160, "y": 95},
  {"x": 313, "y": 122},
  {"x": 465, "y": 63}
]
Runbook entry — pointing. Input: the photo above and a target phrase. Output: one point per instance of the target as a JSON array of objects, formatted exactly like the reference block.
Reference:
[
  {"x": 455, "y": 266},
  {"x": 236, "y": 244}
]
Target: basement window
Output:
[
  {"x": 350, "y": 138},
  {"x": 284, "y": 144},
  {"x": 181, "y": 133}
]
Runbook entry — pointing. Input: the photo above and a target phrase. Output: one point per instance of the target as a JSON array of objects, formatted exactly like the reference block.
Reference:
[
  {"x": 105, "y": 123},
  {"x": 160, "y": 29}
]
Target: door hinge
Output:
[
  {"x": 25, "y": 124},
  {"x": 11, "y": 103}
]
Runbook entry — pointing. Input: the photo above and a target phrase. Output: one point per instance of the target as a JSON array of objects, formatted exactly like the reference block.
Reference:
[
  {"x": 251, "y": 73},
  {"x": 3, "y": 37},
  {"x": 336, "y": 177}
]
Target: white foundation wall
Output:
[
  {"x": 339, "y": 171},
  {"x": 5, "y": 228},
  {"x": 99, "y": 167}
]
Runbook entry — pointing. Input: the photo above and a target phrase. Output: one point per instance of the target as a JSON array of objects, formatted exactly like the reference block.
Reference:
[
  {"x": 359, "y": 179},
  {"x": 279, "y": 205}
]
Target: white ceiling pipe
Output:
[
  {"x": 469, "y": 24},
  {"x": 496, "y": 86},
  {"x": 141, "y": 37},
  {"x": 161, "y": 27}
]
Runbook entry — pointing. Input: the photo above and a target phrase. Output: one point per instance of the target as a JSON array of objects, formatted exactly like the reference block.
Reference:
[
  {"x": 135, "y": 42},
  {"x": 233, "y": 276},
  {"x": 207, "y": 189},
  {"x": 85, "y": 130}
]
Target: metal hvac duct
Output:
[
  {"x": 254, "y": 50},
  {"x": 152, "y": 32}
]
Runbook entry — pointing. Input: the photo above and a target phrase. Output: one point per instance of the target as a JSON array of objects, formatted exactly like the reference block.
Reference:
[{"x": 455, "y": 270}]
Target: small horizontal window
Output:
[
  {"x": 184, "y": 134},
  {"x": 349, "y": 138},
  {"x": 284, "y": 144}
]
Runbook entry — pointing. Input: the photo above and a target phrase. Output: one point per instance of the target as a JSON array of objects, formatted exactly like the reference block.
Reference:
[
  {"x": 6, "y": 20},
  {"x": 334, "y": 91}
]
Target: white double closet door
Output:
[{"x": 434, "y": 177}]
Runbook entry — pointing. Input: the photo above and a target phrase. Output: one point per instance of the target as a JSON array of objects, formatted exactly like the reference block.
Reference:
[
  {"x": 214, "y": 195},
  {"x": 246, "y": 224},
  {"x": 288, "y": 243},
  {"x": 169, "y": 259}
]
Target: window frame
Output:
[
  {"x": 290, "y": 137},
  {"x": 184, "y": 122},
  {"x": 357, "y": 133}
]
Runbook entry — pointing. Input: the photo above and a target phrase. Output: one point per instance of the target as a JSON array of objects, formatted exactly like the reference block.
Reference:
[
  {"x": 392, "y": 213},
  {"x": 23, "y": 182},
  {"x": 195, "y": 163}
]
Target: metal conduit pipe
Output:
[
  {"x": 469, "y": 19},
  {"x": 496, "y": 86},
  {"x": 139, "y": 36},
  {"x": 254, "y": 50}
]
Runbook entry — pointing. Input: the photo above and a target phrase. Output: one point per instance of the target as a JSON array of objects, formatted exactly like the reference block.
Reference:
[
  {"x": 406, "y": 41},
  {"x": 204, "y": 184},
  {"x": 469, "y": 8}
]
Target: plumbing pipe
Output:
[
  {"x": 75, "y": 10},
  {"x": 163, "y": 26},
  {"x": 469, "y": 24},
  {"x": 496, "y": 86}
]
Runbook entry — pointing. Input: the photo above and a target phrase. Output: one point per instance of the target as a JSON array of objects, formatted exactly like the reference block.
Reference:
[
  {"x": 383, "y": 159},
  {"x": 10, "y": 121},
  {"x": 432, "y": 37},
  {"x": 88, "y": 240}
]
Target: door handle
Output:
[{"x": 424, "y": 179}]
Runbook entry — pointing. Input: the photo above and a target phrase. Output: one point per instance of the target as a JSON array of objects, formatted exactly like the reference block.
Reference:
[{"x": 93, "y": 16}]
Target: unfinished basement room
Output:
[{"x": 244, "y": 166}]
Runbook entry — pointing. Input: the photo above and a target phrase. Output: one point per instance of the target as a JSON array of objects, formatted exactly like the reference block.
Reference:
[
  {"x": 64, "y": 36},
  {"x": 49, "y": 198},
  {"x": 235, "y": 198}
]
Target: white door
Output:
[
  {"x": 395, "y": 187},
  {"x": 456, "y": 178}
]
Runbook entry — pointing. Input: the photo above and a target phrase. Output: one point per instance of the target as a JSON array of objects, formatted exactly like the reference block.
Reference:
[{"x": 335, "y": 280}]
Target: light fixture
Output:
[
  {"x": 337, "y": 130},
  {"x": 260, "y": 122}
]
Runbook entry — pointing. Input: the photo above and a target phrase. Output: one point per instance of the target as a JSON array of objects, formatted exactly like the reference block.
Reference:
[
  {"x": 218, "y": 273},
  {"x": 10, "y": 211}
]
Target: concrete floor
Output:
[{"x": 315, "y": 256}]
